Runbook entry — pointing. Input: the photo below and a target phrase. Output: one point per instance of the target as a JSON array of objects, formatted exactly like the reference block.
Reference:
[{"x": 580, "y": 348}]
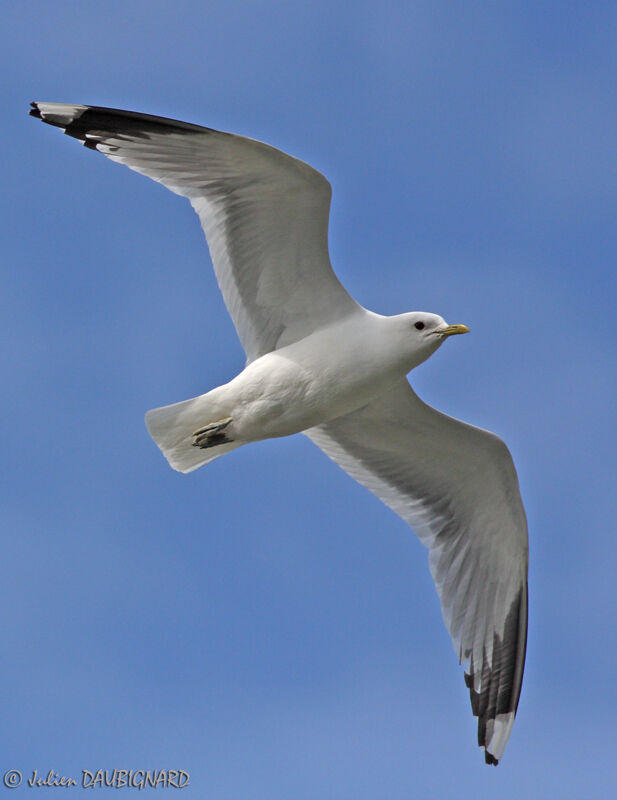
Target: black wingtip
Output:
[
  {"x": 34, "y": 111},
  {"x": 490, "y": 759}
]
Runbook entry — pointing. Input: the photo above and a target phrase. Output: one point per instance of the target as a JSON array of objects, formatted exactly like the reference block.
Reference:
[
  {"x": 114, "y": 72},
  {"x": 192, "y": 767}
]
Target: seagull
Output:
[{"x": 321, "y": 364}]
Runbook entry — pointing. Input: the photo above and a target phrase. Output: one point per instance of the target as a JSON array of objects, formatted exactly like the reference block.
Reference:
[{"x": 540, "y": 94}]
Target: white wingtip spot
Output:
[
  {"x": 497, "y": 733},
  {"x": 61, "y": 114}
]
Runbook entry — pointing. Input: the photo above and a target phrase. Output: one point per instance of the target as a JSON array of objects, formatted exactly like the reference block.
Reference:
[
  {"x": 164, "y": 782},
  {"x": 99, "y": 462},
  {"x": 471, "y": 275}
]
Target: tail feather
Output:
[{"x": 172, "y": 428}]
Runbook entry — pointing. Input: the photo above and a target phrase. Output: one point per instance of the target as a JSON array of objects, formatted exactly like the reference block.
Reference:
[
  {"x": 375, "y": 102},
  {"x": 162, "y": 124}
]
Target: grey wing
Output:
[
  {"x": 457, "y": 487},
  {"x": 264, "y": 213}
]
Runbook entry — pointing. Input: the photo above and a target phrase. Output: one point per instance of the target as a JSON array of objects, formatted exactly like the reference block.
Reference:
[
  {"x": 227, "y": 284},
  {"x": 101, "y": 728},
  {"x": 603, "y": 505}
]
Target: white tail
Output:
[{"x": 172, "y": 429}]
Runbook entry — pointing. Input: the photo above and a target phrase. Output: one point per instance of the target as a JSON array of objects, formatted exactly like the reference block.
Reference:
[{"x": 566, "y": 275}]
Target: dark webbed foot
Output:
[{"x": 212, "y": 434}]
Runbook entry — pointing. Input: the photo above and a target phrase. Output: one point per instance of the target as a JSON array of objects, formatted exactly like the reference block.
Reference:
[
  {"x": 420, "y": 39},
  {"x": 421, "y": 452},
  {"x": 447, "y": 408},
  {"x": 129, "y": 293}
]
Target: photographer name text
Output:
[{"x": 111, "y": 778}]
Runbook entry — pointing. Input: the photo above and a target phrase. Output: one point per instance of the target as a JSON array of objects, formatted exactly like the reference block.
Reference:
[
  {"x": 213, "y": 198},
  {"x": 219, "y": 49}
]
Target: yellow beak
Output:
[{"x": 451, "y": 330}]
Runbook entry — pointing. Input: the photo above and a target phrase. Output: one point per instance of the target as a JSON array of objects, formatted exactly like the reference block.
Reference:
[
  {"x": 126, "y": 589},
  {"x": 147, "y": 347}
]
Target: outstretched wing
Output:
[
  {"x": 264, "y": 213},
  {"x": 457, "y": 487}
]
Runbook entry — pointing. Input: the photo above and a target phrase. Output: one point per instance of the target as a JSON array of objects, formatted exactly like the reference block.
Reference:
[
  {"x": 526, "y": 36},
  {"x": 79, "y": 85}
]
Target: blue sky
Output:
[{"x": 265, "y": 623}]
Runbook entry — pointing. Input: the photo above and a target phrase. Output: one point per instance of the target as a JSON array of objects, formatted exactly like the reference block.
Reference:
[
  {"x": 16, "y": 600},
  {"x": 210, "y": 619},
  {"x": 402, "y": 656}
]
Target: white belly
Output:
[{"x": 308, "y": 383}]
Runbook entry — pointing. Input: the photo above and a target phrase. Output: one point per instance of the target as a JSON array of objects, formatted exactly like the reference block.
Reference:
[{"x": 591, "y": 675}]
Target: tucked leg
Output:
[{"x": 212, "y": 434}]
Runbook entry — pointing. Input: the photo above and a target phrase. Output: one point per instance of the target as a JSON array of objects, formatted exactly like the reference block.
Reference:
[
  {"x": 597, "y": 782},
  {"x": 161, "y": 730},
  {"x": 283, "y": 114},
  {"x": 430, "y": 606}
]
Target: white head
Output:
[{"x": 423, "y": 333}]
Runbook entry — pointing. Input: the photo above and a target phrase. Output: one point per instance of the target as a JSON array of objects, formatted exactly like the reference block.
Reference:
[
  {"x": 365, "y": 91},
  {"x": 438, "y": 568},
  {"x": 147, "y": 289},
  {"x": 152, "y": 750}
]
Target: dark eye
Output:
[{"x": 419, "y": 326}]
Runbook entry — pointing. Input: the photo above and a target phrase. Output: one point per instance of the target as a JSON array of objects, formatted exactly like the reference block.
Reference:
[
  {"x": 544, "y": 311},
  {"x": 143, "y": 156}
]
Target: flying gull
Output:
[{"x": 320, "y": 364}]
